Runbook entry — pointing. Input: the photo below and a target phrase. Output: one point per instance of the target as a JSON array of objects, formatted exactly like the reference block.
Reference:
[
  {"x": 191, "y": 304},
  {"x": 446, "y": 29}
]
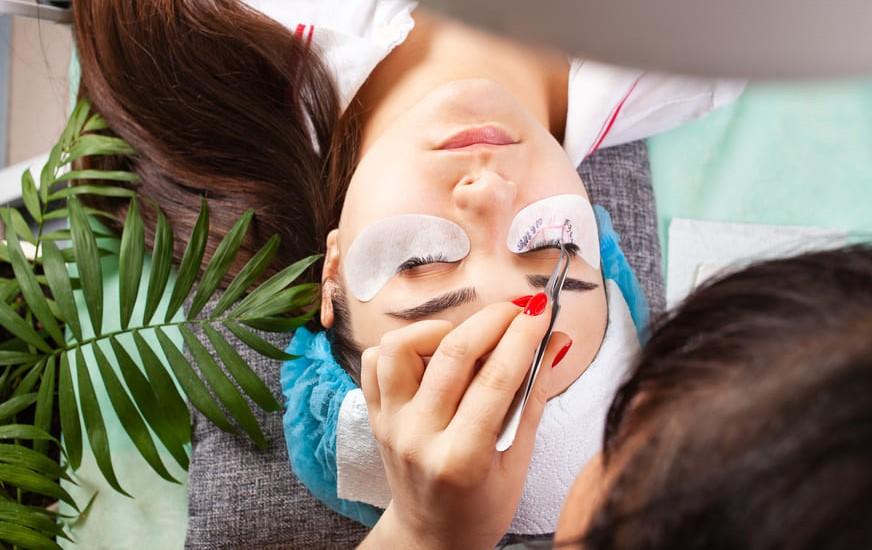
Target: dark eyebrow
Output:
[
  {"x": 577, "y": 285},
  {"x": 467, "y": 295},
  {"x": 437, "y": 304}
]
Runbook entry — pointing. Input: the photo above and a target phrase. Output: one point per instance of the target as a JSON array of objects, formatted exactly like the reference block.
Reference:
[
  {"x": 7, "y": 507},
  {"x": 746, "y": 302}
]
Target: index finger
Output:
[{"x": 485, "y": 404}]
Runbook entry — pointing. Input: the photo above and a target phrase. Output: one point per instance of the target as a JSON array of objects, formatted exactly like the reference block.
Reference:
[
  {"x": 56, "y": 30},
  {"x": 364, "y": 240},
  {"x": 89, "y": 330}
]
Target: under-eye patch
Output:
[
  {"x": 559, "y": 218},
  {"x": 383, "y": 248}
]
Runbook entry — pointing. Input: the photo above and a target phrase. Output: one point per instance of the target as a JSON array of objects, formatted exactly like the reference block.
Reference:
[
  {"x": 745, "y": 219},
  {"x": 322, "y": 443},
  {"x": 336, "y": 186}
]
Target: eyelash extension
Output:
[
  {"x": 418, "y": 261},
  {"x": 572, "y": 248},
  {"x": 554, "y": 243}
]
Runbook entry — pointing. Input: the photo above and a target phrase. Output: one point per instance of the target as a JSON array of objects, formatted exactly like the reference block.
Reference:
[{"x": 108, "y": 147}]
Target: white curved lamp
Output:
[{"x": 739, "y": 38}]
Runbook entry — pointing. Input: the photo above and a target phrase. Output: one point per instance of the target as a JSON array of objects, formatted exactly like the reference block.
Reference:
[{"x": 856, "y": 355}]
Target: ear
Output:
[{"x": 329, "y": 278}]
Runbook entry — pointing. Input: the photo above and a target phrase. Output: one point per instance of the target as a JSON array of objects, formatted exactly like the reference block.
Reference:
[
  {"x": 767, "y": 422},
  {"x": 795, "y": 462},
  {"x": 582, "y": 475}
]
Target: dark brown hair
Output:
[
  {"x": 753, "y": 403},
  {"x": 221, "y": 102}
]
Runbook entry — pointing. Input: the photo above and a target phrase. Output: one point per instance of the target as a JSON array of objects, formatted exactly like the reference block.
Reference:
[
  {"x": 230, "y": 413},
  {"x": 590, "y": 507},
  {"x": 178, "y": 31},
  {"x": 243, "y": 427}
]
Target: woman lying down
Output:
[{"x": 466, "y": 183}]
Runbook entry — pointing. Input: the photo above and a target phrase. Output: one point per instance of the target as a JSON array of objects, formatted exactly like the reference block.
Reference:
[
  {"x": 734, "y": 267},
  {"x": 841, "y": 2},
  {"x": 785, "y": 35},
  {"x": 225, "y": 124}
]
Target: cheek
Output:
[
  {"x": 584, "y": 318},
  {"x": 368, "y": 324}
]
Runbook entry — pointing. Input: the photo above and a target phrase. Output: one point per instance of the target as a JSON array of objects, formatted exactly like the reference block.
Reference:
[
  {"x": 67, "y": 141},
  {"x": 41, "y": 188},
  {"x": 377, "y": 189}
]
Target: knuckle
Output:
[
  {"x": 391, "y": 345},
  {"x": 458, "y": 469},
  {"x": 406, "y": 450},
  {"x": 454, "y": 347},
  {"x": 494, "y": 375}
]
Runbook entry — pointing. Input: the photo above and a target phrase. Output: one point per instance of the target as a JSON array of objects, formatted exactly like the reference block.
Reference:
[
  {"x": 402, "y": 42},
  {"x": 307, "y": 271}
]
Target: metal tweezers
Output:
[{"x": 516, "y": 410}]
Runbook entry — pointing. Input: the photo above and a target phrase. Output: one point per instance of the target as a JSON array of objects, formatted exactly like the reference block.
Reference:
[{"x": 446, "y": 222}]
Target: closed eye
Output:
[
  {"x": 570, "y": 247},
  {"x": 418, "y": 261}
]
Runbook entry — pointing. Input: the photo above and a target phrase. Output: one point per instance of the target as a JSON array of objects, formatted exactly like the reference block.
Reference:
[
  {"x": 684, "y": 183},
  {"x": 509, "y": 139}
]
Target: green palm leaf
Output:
[
  {"x": 15, "y": 405},
  {"x": 165, "y": 391},
  {"x": 30, "y": 288},
  {"x": 94, "y": 425},
  {"x": 24, "y": 537},
  {"x": 190, "y": 264},
  {"x": 130, "y": 262},
  {"x": 257, "y": 343},
  {"x": 161, "y": 263},
  {"x": 108, "y": 175},
  {"x": 45, "y": 403},
  {"x": 59, "y": 282},
  {"x": 88, "y": 262},
  {"x": 252, "y": 270},
  {"x": 242, "y": 373},
  {"x": 20, "y": 455},
  {"x": 145, "y": 389},
  {"x": 224, "y": 388},
  {"x": 32, "y": 481},
  {"x": 219, "y": 264},
  {"x": 16, "y": 357},
  {"x": 97, "y": 145},
  {"x": 129, "y": 416},
  {"x": 265, "y": 292},
  {"x": 12, "y": 322},
  {"x": 25, "y": 516},
  {"x": 69, "y": 412},
  {"x": 30, "y": 379},
  {"x": 191, "y": 383},
  {"x": 159, "y": 418},
  {"x": 13, "y": 219},
  {"x": 30, "y": 196},
  {"x": 23, "y": 431}
]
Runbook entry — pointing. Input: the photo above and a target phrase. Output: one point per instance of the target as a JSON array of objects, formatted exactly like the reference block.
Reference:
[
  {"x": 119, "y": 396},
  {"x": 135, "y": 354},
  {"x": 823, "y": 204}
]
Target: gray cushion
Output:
[
  {"x": 619, "y": 179},
  {"x": 239, "y": 497}
]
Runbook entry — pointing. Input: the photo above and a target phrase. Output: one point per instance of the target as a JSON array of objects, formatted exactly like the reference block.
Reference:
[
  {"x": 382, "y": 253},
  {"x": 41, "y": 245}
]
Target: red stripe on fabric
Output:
[{"x": 613, "y": 118}]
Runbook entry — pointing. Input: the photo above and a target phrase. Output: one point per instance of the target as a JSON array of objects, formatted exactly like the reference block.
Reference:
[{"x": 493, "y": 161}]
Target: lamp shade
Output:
[{"x": 729, "y": 38}]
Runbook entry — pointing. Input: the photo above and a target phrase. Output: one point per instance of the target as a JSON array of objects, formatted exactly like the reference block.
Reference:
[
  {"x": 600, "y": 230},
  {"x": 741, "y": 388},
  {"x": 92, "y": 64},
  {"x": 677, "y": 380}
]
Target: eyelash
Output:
[
  {"x": 572, "y": 248},
  {"x": 418, "y": 261},
  {"x": 554, "y": 243}
]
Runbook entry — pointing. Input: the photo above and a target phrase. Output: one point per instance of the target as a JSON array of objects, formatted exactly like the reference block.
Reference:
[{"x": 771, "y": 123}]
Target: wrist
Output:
[{"x": 392, "y": 533}]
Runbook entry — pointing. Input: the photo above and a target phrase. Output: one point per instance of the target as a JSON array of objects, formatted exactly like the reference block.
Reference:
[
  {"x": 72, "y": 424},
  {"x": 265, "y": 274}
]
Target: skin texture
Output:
[{"x": 480, "y": 188}]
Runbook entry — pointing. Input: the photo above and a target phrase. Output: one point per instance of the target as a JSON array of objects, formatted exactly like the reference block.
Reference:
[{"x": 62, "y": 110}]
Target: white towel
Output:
[{"x": 569, "y": 434}]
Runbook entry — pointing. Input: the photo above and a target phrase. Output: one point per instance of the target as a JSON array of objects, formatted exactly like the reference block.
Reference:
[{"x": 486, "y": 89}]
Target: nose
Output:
[{"x": 486, "y": 196}]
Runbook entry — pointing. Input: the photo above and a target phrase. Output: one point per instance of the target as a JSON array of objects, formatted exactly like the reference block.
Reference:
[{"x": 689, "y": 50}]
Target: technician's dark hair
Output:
[
  {"x": 747, "y": 422},
  {"x": 223, "y": 103}
]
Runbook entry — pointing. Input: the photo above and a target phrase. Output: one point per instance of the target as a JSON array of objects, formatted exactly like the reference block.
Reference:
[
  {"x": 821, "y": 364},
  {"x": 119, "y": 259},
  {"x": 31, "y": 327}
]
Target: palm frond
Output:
[{"x": 57, "y": 356}]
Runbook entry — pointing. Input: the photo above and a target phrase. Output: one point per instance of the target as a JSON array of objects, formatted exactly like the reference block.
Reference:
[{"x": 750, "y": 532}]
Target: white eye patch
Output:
[
  {"x": 378, "y": 252},
  {"x": 569, "y": 218}
]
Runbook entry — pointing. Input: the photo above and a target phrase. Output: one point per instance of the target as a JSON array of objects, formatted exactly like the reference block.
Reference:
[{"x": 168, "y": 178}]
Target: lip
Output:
[{"x": 479, "y": 135}]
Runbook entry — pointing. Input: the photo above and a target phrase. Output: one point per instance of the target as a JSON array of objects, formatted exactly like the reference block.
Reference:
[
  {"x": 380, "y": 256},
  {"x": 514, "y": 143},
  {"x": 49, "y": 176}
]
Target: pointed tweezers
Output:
[{"x": 516, "y": 410}]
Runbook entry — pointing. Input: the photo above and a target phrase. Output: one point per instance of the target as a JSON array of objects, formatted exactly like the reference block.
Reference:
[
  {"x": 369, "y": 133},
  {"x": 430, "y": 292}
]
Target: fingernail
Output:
[
  {"x": 522, "y": 301},
  {"x": 561, "y": 354},
  {"x": 537, "y": 304}
]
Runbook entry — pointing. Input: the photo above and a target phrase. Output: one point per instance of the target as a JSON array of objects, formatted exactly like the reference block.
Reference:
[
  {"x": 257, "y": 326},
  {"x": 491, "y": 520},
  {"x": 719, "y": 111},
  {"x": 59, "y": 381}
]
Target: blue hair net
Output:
[{"x": 314, "y": 386}]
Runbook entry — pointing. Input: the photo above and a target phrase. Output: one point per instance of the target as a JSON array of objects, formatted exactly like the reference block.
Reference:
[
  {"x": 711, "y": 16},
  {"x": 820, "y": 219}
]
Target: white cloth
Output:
[
  {"x": 569, "y": 434},
  {"x": 606, "y": 105},
  {"x": 351, "y": 36}
]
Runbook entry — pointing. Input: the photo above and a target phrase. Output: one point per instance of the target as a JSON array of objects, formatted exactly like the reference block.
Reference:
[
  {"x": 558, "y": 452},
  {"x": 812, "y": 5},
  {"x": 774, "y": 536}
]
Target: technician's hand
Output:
[{"x": 437, "y": 425}]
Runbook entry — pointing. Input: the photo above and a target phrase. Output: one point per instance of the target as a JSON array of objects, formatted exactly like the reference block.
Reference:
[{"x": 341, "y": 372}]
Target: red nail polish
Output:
[
  {"x": 537, "y": 304},
  {"x": 561, "y": 354},
  {"x": 522, "y": 301}
]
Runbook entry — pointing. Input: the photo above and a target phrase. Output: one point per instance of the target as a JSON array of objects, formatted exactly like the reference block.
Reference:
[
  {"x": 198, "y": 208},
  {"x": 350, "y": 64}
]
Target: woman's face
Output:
[{"x": 470, "y": 196}]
